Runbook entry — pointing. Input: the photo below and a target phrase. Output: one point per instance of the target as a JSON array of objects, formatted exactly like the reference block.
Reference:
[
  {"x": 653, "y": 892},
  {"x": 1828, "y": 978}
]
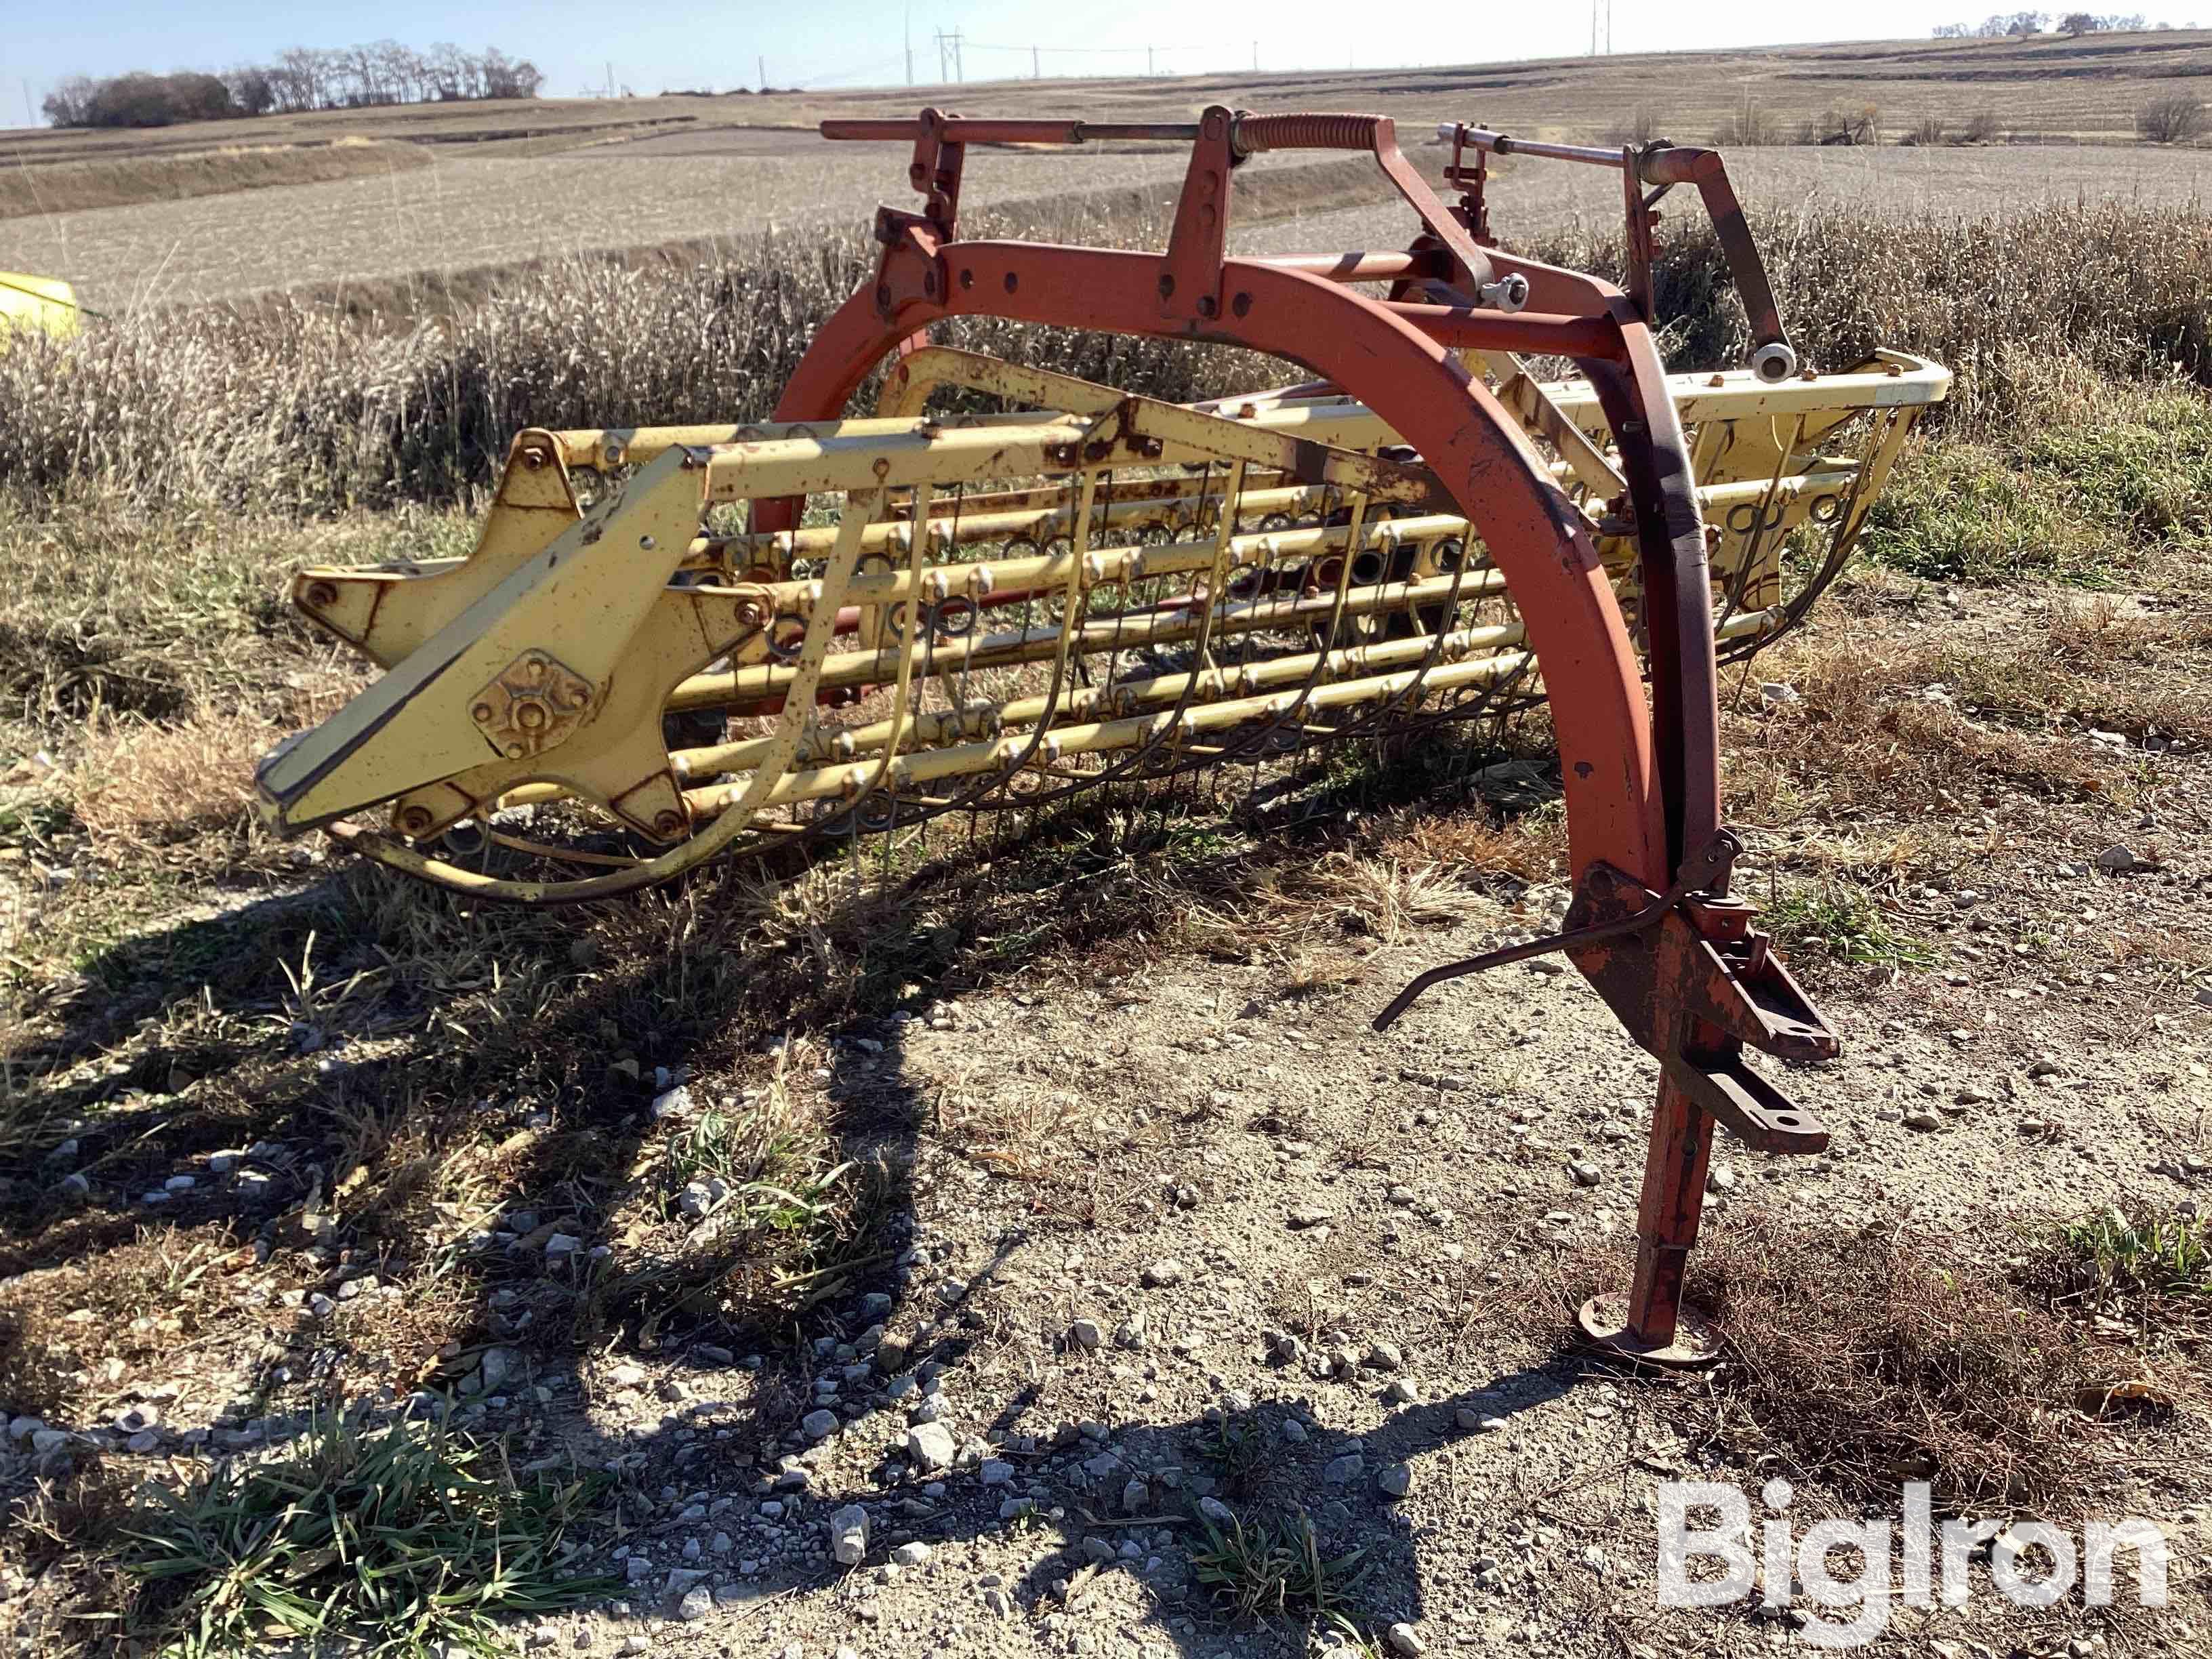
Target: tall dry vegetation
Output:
[
  {"x": 2012, "y": 304},
  {"x": 294, "y": 408}
]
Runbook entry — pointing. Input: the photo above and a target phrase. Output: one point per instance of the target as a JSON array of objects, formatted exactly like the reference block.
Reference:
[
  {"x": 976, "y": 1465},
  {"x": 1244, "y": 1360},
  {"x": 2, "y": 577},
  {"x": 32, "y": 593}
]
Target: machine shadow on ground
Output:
[{"x": 379, "y": 1072}]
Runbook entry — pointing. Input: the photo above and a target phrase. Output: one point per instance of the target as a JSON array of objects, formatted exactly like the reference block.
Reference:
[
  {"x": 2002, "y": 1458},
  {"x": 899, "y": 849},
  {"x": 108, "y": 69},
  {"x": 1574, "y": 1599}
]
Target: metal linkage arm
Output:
[{"x": 1664, "y": 166}]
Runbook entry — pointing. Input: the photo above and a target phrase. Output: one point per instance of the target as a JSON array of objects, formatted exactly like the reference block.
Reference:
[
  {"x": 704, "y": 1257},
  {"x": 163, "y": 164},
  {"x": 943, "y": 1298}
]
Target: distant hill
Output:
[{"x": 2044, "y": 89}]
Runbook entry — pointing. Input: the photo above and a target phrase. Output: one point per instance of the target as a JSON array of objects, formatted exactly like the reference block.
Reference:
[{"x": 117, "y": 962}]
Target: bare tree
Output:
[
  {"x": 70, "y": 102},
  {"x": 448, "y": 71},
  {"x": 252, "y": 89},
  {"x": 2176, "y": 118},
  {"x": 301, "y": 79}
]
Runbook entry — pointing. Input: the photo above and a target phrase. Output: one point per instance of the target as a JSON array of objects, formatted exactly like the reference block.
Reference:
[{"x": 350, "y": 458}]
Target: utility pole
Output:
[
  {"x": 909, "y": 45},
  {"x": 761, "y": 64},
  {"x": 30, "y": 118},
  {"x": 1148, "y": 61},
  {"x": 1036, "y": 73},
  {"x": 1256, "y": 58}
]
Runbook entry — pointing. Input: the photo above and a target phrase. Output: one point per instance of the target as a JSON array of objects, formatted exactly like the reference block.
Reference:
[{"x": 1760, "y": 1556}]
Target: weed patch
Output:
[
  {"x": 2084, "y": 500},
  {"x": 1276, "y": 1568},
  {"x": 405, "y": 1540},
  {"x": 2147, "y": 1266},
  {"x": 1842, "y": 922}
]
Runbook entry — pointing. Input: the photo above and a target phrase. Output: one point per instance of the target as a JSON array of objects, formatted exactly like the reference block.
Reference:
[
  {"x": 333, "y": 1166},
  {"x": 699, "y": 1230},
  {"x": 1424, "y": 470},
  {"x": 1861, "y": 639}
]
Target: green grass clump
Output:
[
  {"x": 2083, "y": 499},
  {"x": 404, "y": 1541},
  {"x": 2144, "y": 1251},
  {"x": 1839, "y": 921},
  {"x": 1271, "y": 1569}
]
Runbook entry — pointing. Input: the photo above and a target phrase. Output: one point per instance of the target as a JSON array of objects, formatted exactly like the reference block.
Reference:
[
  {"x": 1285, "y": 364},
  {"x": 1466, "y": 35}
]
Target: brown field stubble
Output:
[{"x": 127, "y": 180}]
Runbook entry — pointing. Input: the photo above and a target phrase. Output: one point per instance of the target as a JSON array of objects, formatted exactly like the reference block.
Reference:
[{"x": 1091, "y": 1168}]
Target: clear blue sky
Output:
[{"x": 860, "y": 42}]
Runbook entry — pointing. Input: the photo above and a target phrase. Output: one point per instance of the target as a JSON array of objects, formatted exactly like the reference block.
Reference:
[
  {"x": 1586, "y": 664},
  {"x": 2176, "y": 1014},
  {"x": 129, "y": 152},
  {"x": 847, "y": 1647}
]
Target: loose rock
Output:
[
  {"x": 848, "y": 1535},
  {"x": 931, "y": 1446}
]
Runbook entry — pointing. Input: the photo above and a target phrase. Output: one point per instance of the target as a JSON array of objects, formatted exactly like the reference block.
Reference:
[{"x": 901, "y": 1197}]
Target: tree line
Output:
[
  {"x": 304, "y": 78},
  {"x": 1999, "y": 25}
]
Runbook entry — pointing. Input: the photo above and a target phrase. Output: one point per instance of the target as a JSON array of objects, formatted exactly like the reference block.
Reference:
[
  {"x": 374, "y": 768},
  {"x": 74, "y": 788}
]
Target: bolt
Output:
[
  {"x": 667, "y": 823},
  {"x": 322, "y": 595},
  {"x": 481, "y": 714},
  {"x": 414, "y": 821},
  {"x": 534, "y": 458}
]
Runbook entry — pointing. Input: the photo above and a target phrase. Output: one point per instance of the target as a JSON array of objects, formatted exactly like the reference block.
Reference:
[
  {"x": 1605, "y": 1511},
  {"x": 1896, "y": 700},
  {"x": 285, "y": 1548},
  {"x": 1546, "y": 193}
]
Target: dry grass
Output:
[
  {"x": 157, "y": 785},
  {"x": 125, "y": 181},
  {"x": 76, "y": 1335},
  {"x": 2054, "y": 298},
  {"x": 1892, "y": 1356},
  {"x": 292, "y": 408}
]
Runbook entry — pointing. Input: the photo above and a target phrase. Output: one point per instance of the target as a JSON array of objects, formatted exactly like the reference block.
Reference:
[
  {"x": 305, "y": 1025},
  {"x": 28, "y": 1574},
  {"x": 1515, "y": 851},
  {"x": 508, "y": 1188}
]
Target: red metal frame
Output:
[{"x": 1642, "y": 786}]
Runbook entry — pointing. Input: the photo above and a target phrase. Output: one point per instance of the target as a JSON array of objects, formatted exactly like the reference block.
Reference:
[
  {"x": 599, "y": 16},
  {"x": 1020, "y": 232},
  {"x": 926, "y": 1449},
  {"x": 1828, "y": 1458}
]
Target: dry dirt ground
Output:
[{"x": 1168, "y": 1235}]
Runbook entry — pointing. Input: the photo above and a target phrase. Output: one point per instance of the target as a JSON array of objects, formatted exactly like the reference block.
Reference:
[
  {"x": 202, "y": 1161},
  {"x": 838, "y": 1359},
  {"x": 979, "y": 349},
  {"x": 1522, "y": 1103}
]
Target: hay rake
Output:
[{"x": 730, "y": 640}]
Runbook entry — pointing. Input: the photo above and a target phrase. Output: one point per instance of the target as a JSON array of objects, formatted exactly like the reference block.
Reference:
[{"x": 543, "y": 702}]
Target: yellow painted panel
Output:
[{"x": 45, "y": 303}]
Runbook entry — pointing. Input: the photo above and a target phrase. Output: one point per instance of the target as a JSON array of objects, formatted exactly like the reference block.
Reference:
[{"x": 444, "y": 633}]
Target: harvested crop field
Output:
[
  {"x": 475, "y": 211},
  {"x": 1530, "y": 200},
  {"x": 128, "y": 180}
]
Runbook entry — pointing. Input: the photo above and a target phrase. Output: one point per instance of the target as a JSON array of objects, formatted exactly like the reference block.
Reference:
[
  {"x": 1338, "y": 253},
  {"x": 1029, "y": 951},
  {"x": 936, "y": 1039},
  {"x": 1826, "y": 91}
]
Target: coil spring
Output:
[{"x": 1255, "y": 133}]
